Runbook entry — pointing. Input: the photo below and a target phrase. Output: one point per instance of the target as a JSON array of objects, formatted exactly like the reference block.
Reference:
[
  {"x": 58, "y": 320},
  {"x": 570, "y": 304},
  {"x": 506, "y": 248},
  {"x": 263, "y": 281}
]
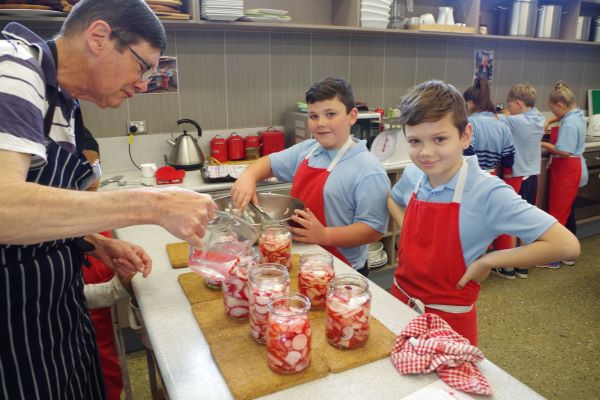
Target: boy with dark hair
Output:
[
  {"x": 342, "y": 185},
  {"x": 450, "y": 211}
]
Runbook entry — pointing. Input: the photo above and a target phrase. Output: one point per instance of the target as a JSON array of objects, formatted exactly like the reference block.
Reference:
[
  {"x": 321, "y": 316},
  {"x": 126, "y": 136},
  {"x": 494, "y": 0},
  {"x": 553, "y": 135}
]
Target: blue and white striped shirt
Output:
[
  {"x": 492, "y": 141},
  {"x": 26, "y": 67}
]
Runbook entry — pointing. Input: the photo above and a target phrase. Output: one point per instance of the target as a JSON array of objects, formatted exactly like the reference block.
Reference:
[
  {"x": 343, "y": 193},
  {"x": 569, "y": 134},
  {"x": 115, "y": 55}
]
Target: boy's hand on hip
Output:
[
  {"x": 311, "y": 231},
  {"x": 477, "y": 272}
]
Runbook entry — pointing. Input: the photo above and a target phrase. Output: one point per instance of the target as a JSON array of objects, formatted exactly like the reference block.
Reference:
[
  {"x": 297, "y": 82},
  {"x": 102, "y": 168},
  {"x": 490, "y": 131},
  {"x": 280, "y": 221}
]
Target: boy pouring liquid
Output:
[{"x": 450, "y": 210}]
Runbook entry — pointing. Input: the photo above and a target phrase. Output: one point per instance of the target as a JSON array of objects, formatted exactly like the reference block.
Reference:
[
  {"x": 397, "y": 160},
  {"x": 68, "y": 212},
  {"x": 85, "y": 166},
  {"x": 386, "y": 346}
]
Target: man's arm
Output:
[{"x": 32, "y": 213}]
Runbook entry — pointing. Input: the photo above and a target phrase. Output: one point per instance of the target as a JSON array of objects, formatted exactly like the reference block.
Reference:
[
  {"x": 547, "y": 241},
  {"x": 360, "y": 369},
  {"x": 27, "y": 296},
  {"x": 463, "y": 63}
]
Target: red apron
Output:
[
  {"x": 308, "y": 185},
  {"x": 565, "y": 173},
  {"x": 505, "y": 242},
  {"x": 105, "y": 337},
  {"x": 431, "y": 262}
]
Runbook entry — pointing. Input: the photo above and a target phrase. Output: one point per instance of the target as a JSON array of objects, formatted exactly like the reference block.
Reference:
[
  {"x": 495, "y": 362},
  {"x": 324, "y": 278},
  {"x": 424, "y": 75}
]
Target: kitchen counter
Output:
[{"x": 189, "y": 372}]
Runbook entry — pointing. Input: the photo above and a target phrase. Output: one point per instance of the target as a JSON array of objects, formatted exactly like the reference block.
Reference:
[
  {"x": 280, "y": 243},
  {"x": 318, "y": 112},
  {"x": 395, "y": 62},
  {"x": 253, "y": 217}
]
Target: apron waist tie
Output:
[{"x": 419, "y": 306}]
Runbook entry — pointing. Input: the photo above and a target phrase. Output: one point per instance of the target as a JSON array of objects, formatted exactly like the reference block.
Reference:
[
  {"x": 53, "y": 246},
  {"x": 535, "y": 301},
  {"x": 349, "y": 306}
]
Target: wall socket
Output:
[{"x": 135, "y": 127}]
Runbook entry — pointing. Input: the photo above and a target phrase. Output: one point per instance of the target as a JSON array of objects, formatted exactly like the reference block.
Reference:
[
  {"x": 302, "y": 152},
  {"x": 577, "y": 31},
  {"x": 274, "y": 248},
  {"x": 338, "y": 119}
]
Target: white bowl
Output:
[
  {"x": 375, "y": 6},
  {"x": 374, "y": 23},
  {"x": 366, "y": 13}
]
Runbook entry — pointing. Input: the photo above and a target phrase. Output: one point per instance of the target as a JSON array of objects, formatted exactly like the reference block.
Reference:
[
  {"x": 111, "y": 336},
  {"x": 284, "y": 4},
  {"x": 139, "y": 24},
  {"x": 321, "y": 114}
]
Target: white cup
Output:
[
  {"x": 427, "y": 19},
  {"x": 148, "y": 169}
]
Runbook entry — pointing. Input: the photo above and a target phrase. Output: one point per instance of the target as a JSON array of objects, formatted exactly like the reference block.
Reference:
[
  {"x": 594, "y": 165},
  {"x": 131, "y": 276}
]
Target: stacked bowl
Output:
[{"x": 375, "y": 13}]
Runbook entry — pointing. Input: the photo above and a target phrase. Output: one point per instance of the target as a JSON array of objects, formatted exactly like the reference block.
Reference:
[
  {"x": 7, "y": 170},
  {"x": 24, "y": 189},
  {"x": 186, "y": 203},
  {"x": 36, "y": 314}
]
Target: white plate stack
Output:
[
  {"x": 222, "y": 10},
  {"x": 375, "y": 13}
]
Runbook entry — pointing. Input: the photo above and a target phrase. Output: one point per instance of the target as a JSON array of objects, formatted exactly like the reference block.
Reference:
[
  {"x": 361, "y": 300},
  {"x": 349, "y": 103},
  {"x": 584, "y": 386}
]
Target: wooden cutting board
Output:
[
  {"x": 236, "y": 352},
  {"x": 195, "y": 290},
  {"x": 178, "y": 254}
]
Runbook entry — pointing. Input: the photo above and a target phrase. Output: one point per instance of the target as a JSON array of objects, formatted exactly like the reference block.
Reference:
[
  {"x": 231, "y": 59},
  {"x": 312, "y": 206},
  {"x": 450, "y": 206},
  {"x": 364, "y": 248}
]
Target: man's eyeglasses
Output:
[{"x": 147, "y": 70}]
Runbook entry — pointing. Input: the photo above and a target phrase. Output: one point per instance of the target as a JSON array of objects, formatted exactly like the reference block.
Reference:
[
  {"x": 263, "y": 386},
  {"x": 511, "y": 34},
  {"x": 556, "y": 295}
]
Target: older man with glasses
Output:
[{"x": 105, "y": 52}]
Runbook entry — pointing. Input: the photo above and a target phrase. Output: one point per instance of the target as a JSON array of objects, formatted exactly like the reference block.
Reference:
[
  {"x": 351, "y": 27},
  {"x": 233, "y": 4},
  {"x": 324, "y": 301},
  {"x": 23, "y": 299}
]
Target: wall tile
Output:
[
  {"x": 201, "y": 64},
  {"x": 400, "y": 68},
  {"x": 366, "y": 69},
  {"x": 290, "y": 72},
  {"x": 248, "y": 79},
  {"x": 431, "y": 60},
  {"x": 591, "y": 74},
  {"x": 573, "y": 72},
  {"x": 509, "y": 66},
  {"x": 553, "y": 64},
  {"x": 533, "y": 71},
  {"x": 330, "y": 56},
  {"x": 106, "y": 122},
  {"x": 460, "y": 63}
]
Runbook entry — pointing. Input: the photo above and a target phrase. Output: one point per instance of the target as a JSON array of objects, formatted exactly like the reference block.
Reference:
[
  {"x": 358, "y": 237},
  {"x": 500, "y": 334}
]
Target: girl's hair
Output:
[
  {"x": 480, "y": 95},
  {"x": 562, "y": 94},
  {"x": 524, "y": 92}
]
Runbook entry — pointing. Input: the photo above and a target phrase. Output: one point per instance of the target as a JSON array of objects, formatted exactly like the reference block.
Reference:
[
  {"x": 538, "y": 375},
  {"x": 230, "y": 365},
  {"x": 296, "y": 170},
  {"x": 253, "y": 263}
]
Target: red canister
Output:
[
  {"x": 218, "y": 149},
  {"x": 272, "y": 141},
  {"x": 236, "y": 147},
  {"x": 252, "y": 147}
]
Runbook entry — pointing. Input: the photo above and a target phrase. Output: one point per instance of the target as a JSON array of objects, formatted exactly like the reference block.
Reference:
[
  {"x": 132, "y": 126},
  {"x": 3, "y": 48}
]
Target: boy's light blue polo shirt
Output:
[
  {"x": 571, "y": 139},
  {"x": 492, "y": 140},
  {"x": 527, "y": 129},
  {"x": 356, "y": 190},
  {"x": 488, "y": 209}
]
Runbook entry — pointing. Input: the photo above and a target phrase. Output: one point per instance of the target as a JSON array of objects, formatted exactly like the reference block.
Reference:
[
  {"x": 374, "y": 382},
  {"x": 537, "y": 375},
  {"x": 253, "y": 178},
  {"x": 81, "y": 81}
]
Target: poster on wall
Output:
[
  {"x": 484, "y": 64},
  {"x": 164, "y": 79}
]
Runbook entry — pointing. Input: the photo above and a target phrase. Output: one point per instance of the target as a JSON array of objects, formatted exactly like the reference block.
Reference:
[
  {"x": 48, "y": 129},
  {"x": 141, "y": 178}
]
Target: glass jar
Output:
[
  {"x": 316, "y": 270},
  {"x": 348, "y": 311},
  {"x": 264, "y": 280},
  {"x": 275, "y": 243},
  {"x": 213, "y": 282},
  {"x": 289, "y": 333},
  {"x": 235, "y": 286}
]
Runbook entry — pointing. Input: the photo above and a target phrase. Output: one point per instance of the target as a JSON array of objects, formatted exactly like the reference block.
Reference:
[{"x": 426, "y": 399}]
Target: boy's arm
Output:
[
  {"x": 99, "y": 295},
  {"x": 312, "y": 231},
  {"x": 396, "y": 211},
  {"x": 553, "y": 150},
  {"x": 557, "y": 243},
  {"x": 244, "y": 188}
]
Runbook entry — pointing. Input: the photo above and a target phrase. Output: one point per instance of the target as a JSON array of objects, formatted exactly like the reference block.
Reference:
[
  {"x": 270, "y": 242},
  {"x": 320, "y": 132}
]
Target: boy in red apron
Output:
[
  {"x": 568, "y": 171},
  {"x": 450, "y": 211},
  {"x": 343, "y": 186}
]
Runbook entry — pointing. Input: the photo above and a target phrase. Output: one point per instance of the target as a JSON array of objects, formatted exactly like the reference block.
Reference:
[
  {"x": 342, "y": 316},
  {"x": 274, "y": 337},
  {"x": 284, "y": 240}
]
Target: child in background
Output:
[
  {"x": 449, "y": 211},
  {"x": 492, "y": 143},
  {"x": 527, "y": 126},
  {"x": 568, "y": 171},
  {"x": 343, "y": 186}
]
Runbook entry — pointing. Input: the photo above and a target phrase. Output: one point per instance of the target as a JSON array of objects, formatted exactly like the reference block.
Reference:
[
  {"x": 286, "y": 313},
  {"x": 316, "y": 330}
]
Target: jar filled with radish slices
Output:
[
  {"x": 275, "y": 243},
  {"x": 348, "y": 311},
  {"x": 289, "y": 333},
  {"x": 235, "y": 286},
  {"x": 265, "y": 281},
  {"x": 316, "y": 270}
]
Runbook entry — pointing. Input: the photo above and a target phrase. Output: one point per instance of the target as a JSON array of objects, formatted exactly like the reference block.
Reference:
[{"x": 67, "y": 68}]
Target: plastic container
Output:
[
  {"x": 289, "y": 334},
  {"x": 235, "y": 287},
  {"x": 275, "y": 243},
  {"x": 316, "y": 270},
  {"x": 265, "y": 281},
  {"x": 347, "y": 324}
]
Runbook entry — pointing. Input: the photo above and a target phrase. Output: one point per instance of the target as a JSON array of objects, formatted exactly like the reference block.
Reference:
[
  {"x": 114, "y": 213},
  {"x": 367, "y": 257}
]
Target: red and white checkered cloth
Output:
[{"x": 429, "y": 344}]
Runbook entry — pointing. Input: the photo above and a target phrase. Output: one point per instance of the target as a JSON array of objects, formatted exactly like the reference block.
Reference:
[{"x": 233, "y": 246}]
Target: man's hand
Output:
[
  {"x": 186, "y": 213},
  {"x": 311, "y": 230}
]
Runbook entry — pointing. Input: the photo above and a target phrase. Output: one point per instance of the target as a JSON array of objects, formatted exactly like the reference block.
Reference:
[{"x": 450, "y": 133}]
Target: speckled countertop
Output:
[{"x": 189, "y": 372}]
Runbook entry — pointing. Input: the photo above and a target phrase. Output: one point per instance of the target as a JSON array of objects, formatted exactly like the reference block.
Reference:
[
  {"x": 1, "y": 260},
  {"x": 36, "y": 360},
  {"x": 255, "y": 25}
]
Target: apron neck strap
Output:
[
  {"x": 337, "y": 157},
  {"x": 340, "y": 154},
  {"x": 460, "y": 183}
]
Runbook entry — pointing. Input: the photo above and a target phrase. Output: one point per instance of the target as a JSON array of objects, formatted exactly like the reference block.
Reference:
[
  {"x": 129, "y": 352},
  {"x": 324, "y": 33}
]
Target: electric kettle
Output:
[{"x": 186, "y": 153}]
